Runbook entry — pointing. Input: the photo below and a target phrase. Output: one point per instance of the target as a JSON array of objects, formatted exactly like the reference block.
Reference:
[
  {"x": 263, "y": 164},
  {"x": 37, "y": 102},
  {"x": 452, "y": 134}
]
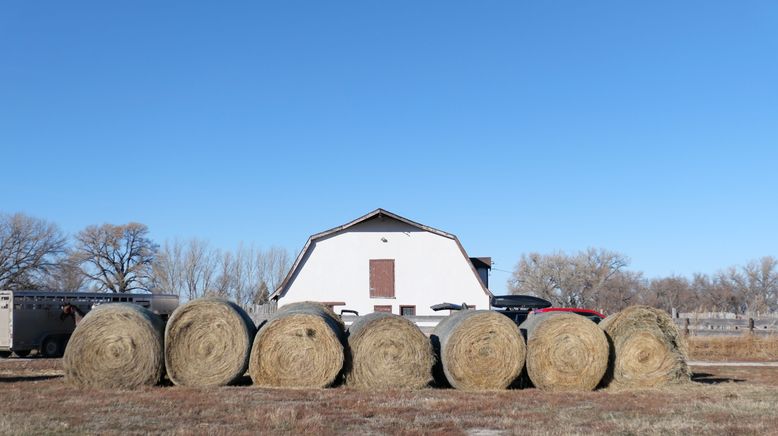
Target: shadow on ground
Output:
[
  {"x": 710, "y": 379},
  {"x": 27, "y": 378}
]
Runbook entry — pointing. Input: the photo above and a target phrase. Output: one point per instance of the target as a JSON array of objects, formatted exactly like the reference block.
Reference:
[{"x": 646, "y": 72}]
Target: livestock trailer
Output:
[{"x": 44, "y": 320}]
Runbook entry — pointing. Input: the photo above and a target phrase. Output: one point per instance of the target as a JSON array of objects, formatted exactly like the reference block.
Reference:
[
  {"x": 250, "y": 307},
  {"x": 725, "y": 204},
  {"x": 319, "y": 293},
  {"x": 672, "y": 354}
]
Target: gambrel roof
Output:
[{"x": 282, "y": 288}]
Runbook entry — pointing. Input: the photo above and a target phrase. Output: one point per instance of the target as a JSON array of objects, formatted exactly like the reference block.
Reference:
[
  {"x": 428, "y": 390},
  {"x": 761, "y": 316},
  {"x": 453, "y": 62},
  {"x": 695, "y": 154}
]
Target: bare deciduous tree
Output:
[
  {"x": 754, "y": 286},
  {"x": 595, "y": 272},
  {"x": 542, "y": 275},
  {"x": 249, "y": 271},
  {"x": 261, "y": 297},
  {"x": 249, "y": 274},
  {"x": 713, "y": 294},
  {"x": 620, "y": 291},
  {"x": 670, "y": 292},
  {"x": 168, "y": 269},
  {"x": 29, "y": 249},
  {"x": 598, "y": 279},
  {"x": 187, "y": 270},
  {"x": 277, "y": 264},
  {"x": 591, "y": 278},
  {"x": 223, "y": 286},
  {"x": 241, "y": 276},
  {"x": 66, "y": 275},
  {"x": 200, "y": 263},
  {"x": 117, "y": 258}
]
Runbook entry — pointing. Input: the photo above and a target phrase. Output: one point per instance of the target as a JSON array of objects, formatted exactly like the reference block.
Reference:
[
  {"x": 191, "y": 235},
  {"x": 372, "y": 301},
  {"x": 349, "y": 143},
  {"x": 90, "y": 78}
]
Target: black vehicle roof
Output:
[{"x": 519, "y": 301}]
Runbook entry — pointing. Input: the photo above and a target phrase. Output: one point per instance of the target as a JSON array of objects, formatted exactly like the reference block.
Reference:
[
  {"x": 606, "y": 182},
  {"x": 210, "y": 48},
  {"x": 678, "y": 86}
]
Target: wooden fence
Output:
[
  {"x": 723, "y": 323},
  {"x": 261, "y": 312}
]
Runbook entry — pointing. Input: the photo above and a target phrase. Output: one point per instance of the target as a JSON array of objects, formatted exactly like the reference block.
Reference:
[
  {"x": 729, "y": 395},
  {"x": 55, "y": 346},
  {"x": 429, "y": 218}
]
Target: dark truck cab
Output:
[{"x": 518, "y": 307}]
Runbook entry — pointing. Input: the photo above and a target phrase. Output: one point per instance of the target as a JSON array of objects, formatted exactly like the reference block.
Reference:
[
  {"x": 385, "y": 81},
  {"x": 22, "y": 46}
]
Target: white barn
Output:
[{"x": 384, "y": 262}]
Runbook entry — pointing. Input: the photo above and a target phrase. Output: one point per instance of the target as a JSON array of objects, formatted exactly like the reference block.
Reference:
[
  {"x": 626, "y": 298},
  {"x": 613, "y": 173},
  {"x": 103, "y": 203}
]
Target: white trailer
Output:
[{"x": 44, "y": 321}]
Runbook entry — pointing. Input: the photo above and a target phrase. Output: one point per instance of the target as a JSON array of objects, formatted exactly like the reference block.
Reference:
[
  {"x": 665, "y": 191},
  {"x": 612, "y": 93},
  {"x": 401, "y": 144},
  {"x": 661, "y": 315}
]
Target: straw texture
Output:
[
  {"x": 478, "y": 350},
  {"x": 300, "y": 346},
  {"x": 388, "y": 351},
  {"x": 207, "y": 343},
  {"x": 648, "y": 350},
  {"x": 565, "y": 352},
  {"x": 116, "y": 345}
]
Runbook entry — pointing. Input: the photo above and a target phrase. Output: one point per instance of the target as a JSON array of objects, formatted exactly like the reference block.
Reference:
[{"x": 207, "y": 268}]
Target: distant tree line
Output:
[
  {"x": 599, "y": 279},
  {"x": 193, "y": 269},
  {"x": 36, "y": 254}
]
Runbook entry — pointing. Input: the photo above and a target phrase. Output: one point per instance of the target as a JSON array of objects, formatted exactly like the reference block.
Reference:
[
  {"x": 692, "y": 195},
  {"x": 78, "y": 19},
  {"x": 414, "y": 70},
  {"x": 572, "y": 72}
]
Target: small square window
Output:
[
  {"x": 408, "y": 310},
  {"x": 382, "y": 308}
]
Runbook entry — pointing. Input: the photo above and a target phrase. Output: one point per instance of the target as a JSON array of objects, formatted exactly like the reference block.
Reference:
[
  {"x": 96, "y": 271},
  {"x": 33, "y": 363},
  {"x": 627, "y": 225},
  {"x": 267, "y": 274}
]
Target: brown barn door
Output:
[{"x": 381, "y": 278}]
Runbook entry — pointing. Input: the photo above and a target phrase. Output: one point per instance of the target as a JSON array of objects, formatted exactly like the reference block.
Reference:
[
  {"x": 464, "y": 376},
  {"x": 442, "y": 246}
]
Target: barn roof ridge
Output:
[{"x": 377, "y": 213}]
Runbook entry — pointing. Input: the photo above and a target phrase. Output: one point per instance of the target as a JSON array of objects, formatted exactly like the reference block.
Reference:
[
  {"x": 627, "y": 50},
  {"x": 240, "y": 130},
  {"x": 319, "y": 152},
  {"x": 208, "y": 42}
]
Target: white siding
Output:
[{"x": 429, "y": 269}]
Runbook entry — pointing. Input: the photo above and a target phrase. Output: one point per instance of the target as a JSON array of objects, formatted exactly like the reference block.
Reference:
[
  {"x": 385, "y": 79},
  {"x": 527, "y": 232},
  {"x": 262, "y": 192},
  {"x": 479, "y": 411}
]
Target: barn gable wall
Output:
[{"x": 429, "y": 269}]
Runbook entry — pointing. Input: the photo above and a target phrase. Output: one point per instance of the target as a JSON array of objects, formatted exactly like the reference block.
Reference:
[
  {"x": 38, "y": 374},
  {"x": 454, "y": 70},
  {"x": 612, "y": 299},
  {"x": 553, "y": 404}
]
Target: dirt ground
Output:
[{"x": 721, "y": 400}]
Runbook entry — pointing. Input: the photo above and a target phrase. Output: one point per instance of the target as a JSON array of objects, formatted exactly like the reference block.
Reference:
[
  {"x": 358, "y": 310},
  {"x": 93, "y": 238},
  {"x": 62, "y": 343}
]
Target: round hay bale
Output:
[
  {"x": 565, "y": 352},
  {"x": 116, "y": 346},
  {"x": 648, "y": 350},
  {"x": 323, "y": 308},
  {"x": 300, "y": 346},
  {"x": 207, "y": 343},
  {"x": 388, "y": 351},
  {"x": 479, "y": 350}
]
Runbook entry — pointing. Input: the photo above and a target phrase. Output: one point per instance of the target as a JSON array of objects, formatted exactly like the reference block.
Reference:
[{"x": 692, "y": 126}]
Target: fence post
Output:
[
  {"x": 686, "y": 327},
  {"x": 751, "y": 325}
]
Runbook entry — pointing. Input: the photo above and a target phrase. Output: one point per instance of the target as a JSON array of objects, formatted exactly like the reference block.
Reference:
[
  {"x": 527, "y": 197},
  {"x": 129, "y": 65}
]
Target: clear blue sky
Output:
[{"x": 650, "y": 128}]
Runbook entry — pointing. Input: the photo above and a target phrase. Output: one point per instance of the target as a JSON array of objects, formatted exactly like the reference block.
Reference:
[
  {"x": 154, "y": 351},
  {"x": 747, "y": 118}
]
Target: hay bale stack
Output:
[
  {"x": 479, "y": 350},
  {"x": 388, "y": 351},
  {"x": 207, "y": 343},
  {"x": 300, "y": 346},
  {"x": 565, "y": 352},
  {"x": 116, "y": 346},
  {"x": 648, "y": 350}
]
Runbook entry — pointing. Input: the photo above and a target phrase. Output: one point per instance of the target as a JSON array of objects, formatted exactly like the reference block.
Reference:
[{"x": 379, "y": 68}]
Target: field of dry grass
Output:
[
  {"x": 721, "y": 401},
  {"x": 734, "y": 348}
]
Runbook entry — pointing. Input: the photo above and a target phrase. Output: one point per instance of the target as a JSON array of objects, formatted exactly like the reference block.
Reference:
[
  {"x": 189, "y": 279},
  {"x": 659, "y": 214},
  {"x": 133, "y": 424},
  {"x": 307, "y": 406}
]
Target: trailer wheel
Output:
[
  {"x": 22, "y": 353},
  {"x": 5, "y": 354},
  {"x": 52, "y": 347}
]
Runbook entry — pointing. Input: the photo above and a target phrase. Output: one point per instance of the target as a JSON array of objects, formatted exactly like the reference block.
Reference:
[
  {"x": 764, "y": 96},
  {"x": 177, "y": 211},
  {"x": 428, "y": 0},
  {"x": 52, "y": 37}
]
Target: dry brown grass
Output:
[
  {"x": 747, "y": 347},
  {"x": 721, "y": 401}
]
